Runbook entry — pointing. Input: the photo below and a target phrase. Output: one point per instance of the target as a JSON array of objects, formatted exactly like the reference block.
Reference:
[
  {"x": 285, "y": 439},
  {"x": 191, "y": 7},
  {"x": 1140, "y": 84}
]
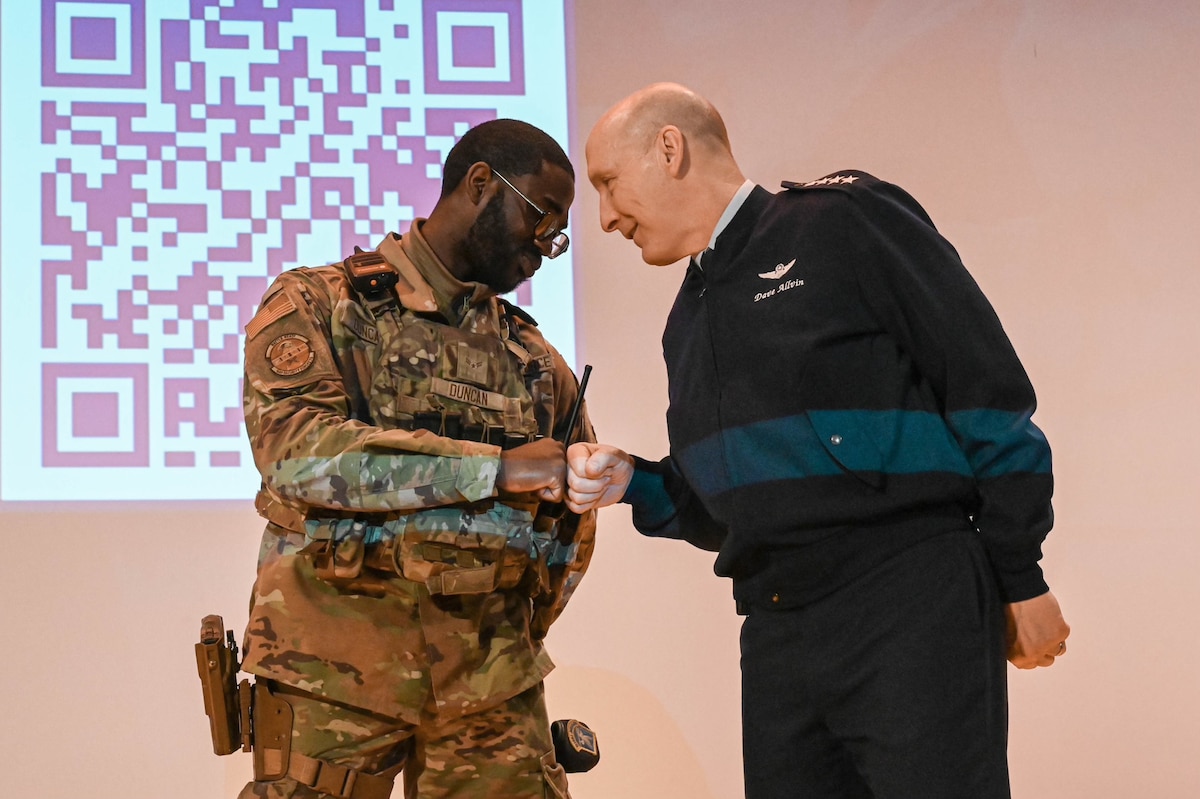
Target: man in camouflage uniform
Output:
[{"x": 407, "y": 424}]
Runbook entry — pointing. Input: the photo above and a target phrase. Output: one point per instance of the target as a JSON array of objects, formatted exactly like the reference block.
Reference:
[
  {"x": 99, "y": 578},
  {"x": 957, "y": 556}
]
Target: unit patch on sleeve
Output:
[{"x": 290, "y": 354}]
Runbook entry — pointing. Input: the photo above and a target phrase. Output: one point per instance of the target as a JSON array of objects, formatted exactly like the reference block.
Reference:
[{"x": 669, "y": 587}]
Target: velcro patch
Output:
[
  {"x": 279, "y": 306},
  {"x": 462, "y": 392},
  {"x": 363, "y": 329},
  {"x": 472, "y": 365},
  {"x": 290, "y": 354}
]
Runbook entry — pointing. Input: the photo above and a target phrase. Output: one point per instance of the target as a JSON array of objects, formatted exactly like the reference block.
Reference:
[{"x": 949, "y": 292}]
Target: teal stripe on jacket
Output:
[
  {"x": 1001, "y": 443},
  {"x": 827, "y": 443}
]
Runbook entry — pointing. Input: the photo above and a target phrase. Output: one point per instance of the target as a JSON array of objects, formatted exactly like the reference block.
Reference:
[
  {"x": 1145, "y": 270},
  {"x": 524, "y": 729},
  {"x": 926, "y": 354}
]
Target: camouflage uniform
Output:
[{"x": 400, "y": 603}]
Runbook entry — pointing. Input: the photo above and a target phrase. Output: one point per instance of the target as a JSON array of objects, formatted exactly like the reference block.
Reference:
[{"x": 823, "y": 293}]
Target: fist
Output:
[
  {"x": 536, "y": 468},
  {"x": 597, "y": 476}
]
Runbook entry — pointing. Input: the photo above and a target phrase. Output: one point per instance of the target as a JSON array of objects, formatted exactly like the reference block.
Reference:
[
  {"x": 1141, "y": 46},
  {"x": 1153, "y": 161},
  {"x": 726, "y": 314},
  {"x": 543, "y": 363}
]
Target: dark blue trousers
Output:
[{"x": 892, "y": 687}]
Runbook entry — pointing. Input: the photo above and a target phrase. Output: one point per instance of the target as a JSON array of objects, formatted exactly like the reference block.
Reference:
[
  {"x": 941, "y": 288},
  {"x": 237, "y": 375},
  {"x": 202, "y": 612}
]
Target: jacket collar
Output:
[
  {"x": 733, "y": 239},
  {"x": 425, "y": 284}
]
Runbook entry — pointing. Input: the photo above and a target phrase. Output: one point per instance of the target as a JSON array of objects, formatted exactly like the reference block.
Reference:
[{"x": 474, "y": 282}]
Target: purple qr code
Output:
[{"x": 193, "y": 150}]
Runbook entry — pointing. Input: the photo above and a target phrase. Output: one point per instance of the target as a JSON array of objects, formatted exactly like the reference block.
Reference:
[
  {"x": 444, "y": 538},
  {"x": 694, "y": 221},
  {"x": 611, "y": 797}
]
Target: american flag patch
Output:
[{"x": 273, "y": 311}]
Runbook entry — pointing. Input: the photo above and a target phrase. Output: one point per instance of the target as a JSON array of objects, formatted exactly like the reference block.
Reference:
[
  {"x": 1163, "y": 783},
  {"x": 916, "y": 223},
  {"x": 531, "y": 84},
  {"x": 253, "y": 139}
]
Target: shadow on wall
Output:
[{"x": 643, "y": 751}]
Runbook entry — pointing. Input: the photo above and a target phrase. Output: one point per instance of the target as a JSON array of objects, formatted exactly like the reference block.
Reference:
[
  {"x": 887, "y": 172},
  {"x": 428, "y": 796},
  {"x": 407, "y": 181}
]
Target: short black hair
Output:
[{"x": 509, "y": 146}]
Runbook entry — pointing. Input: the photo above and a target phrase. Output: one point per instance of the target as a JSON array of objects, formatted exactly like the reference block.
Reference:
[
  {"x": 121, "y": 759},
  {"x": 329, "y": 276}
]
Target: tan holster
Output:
[
  {"x": 274, "y": 758},
  {"x": 272, "y": 734}
]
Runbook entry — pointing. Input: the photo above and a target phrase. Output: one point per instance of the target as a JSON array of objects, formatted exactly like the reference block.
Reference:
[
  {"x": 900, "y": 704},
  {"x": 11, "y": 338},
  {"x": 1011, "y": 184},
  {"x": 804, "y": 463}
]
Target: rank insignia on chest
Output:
[{"x": 472, "y": 364}]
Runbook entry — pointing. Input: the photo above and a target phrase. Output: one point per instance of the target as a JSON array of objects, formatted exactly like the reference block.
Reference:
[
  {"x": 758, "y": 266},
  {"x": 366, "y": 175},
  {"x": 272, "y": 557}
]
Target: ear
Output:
[
  {"x": 672, "y": 151},
  {"x": 475, "y": 182}
]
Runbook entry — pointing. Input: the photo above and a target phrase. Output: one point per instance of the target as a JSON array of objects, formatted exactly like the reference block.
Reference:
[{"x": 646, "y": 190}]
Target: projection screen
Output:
[{"x": 163, "y": 161}]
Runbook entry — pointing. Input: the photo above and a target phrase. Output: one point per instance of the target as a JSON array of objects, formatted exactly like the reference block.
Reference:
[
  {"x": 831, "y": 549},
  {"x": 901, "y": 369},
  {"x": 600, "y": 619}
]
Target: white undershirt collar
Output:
[{"x": 735, "y": 204}]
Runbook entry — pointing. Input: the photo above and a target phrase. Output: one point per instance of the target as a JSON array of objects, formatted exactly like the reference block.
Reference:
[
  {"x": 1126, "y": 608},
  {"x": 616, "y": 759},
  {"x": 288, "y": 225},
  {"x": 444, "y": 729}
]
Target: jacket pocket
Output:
[{"x": 851, "y": 444}]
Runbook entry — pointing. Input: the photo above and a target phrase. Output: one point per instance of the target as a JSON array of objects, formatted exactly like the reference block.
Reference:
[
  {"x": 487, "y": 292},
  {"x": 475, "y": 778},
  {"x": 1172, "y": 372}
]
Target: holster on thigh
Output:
[
  {"x": 272, "y": 734},
  {"x": 274, "y": 759}
]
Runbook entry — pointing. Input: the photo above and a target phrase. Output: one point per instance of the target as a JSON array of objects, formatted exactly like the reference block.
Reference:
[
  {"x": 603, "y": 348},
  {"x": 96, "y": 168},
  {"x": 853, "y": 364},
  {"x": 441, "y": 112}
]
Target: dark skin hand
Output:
[{"x": 538, "y": 468}]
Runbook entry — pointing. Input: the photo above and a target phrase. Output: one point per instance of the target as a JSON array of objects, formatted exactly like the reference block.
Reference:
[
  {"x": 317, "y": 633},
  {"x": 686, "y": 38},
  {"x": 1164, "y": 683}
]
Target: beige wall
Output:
[{"x": 1057, "y": 144}]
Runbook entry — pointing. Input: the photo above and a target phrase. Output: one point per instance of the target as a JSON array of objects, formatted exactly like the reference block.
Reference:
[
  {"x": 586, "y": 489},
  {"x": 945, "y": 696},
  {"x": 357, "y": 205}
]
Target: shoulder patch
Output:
[
  {"x": 276, "y": 308},
  {"x": 290, "y": 354}
]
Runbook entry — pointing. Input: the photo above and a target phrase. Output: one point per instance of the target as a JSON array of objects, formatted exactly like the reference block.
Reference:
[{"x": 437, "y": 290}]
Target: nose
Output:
[{"x": 608, "y": 217}]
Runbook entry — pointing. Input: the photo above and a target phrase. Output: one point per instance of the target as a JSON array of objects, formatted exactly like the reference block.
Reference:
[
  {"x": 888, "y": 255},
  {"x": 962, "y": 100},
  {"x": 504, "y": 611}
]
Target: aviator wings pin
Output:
[{"x": 778, "y": 271}]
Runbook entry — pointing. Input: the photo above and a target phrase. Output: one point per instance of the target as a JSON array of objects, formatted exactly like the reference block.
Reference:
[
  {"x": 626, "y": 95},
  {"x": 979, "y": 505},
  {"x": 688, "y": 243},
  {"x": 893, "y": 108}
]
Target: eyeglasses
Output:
[{"x": 557, "y": 240}]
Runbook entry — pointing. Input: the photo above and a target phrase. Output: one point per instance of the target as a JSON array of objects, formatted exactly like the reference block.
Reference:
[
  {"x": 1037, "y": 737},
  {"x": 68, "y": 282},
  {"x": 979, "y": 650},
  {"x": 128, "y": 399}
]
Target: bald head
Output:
[
  {"x": 662, "y": 164},
  {"x": 640, "y": 116}
]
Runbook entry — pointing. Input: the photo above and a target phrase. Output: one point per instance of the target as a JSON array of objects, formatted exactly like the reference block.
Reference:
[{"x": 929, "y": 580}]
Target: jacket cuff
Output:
[
  {"x": 647, "y": 494},
  {"x": 1022, "y": 585},
  {"x": 477, "y": 471}
]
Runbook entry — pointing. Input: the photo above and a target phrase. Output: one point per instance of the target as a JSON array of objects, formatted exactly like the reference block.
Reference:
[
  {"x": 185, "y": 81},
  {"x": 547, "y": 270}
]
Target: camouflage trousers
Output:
[{"x": 504, "y": 752}]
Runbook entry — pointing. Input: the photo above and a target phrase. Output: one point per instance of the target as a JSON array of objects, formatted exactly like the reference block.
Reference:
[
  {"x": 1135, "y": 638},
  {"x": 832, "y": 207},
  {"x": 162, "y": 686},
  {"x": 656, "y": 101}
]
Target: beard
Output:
[{"x": 491, "y": 251}]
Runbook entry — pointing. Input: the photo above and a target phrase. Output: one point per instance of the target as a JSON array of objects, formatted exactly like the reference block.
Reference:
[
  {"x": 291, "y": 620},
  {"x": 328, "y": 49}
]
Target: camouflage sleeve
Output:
[
  {"x": 570, "y": 551},
  {"x": 306, "y": 444}
]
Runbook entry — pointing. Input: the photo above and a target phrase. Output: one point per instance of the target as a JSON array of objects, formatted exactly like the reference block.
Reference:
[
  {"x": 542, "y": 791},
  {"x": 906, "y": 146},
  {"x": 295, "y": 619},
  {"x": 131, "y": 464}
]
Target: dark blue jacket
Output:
[{"x": 840, "y": 389}]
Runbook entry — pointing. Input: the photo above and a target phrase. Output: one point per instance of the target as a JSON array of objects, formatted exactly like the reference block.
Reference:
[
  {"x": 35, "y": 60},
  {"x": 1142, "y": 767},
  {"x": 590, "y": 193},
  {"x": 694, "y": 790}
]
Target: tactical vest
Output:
[
  {"x": 452, "y": 381},
  {"x": 425, "y": 374}
]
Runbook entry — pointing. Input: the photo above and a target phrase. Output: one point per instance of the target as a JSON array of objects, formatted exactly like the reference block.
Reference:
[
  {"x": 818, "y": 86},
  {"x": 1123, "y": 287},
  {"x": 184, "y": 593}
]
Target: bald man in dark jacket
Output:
[{"x": 851, "y": 431}]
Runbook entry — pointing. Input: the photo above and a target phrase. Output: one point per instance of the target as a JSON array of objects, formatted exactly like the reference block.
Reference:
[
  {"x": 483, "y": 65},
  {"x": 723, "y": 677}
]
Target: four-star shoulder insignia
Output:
[{"x": 830, "y": 180}]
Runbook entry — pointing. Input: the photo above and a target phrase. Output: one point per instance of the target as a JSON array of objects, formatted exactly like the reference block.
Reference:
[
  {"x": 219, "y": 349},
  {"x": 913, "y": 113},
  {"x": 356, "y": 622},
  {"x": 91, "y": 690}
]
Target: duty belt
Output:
[{"x": 447, "y": 569}]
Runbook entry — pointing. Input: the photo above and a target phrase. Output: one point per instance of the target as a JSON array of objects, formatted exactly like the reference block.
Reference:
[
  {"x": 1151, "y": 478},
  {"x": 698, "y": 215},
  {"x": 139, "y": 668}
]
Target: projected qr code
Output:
[{"x": 185, "y": 153}]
